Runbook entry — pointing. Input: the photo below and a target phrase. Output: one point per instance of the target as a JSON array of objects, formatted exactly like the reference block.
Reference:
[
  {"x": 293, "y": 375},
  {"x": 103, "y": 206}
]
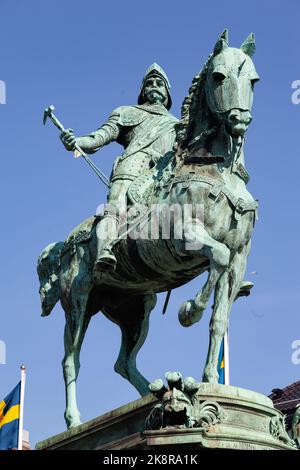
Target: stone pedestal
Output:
[{"x": 228, "y": 418}]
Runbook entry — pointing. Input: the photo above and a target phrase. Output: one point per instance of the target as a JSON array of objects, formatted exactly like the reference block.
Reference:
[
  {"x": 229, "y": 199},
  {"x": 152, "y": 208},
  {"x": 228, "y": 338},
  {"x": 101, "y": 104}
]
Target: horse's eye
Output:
[{"x": 218, "y": 77}]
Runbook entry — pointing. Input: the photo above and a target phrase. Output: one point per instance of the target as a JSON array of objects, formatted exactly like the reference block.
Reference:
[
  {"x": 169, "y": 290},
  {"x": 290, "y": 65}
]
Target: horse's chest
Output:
[
  {"x": 226, "y": 225},
  {"x": 240, "y": 233}
]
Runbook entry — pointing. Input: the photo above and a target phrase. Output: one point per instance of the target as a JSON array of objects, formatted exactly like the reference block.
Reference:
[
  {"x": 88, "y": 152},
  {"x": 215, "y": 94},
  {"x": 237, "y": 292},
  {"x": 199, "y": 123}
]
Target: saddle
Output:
[{"x": 80, "y": 234}]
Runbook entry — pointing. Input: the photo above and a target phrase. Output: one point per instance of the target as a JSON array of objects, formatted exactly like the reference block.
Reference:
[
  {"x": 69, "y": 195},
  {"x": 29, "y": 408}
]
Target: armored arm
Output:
[
  {"x": 107, "y": 133},
  {"x": 92, "y": 142}
]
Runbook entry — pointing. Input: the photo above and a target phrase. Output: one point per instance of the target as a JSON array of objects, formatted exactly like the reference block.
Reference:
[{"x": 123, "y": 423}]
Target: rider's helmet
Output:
[{"x": 155, "y": 70}]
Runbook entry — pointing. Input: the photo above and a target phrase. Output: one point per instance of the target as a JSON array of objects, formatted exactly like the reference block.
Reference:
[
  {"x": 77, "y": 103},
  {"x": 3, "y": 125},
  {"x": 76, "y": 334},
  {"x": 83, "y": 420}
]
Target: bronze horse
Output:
[{"x": 206, "y": 169}]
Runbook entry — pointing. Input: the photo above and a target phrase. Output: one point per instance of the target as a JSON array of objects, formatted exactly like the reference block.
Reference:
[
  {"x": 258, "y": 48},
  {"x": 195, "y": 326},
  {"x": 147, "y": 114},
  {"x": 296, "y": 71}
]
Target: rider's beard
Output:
[{"x": 155, "y": 97}]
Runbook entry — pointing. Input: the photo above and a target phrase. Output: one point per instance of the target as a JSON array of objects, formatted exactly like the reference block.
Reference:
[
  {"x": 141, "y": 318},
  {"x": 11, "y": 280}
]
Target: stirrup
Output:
[{"x": 106, "y": 261}]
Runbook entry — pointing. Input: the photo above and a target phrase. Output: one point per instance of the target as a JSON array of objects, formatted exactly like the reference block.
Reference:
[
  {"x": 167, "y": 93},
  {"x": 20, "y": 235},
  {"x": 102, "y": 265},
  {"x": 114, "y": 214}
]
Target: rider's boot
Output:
[
  {"x": 106, "y": 233},
  {"x": 106, "y": 260}
]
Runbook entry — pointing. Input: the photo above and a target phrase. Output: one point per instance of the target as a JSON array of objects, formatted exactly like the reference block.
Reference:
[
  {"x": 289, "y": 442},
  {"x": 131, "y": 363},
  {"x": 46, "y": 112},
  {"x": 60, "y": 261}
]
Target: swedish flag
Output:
[
  {"x": 221, "y": 364},
  {"x": 10, "y": 419}
]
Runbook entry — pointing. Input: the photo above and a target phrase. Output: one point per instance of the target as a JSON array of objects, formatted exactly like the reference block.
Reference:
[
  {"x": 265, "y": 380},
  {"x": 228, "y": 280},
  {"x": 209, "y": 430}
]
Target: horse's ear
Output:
[
  {"x": 222, "y": 42},
  {"x": 248, "y": 45}
]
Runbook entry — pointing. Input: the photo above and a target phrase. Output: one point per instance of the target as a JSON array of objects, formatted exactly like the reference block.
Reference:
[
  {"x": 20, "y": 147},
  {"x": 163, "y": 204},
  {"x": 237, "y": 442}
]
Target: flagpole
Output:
[
  {"x": 22, "y": 393},
  {"x": 226, "y": 357}
]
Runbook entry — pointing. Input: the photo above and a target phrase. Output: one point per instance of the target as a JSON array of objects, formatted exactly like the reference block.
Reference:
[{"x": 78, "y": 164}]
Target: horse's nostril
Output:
[
  {"x": 233, "y": 117},
  {"x": 240, "y": 118}
]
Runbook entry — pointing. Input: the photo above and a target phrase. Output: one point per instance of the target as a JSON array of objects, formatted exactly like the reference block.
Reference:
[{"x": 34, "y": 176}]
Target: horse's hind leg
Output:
[
  {"x": 225, "y": 293},
  {"x": 218, "y": 255},
  {"x": 133, "y": 319},
  {"x": 75, "y": 328}
]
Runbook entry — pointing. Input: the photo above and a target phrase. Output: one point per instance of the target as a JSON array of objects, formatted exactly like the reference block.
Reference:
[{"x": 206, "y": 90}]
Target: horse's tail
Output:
[{"x": 48, "y": 270}]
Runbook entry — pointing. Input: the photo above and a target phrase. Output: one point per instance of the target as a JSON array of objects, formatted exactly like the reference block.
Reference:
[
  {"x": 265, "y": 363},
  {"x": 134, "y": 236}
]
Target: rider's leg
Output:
[{"x": 107, "y": 228}]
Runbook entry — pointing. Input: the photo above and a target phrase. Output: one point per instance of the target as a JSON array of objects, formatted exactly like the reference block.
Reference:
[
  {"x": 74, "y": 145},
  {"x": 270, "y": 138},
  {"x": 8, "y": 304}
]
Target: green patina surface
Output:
[
  {"x": 197, "y": 160},
  {"x": 228, "y": 418}
]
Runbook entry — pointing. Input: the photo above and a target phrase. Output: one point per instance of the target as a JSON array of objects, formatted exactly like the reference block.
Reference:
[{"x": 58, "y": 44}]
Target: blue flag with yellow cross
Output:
[
  {"x": 221, "y": 363},
  {"x": 10, "y": 419}
]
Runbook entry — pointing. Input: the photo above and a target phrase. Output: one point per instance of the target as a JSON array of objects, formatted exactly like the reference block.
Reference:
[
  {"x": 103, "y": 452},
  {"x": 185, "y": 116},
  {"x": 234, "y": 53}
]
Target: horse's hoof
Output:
[
  {"x": 185, "y": 314},
  {"x": 245, "y": 289},
  {"x": 74, "y": 424},
  {"x": 72, "y": 421}
]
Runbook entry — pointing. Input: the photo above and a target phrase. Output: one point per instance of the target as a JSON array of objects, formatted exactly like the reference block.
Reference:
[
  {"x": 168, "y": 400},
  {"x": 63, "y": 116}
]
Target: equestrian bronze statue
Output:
[{"x": 185, "y": 183}]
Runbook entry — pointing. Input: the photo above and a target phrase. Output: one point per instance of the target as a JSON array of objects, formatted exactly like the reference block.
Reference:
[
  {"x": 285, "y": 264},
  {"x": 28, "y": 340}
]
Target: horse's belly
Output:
[{"x": 153, "y": 265}]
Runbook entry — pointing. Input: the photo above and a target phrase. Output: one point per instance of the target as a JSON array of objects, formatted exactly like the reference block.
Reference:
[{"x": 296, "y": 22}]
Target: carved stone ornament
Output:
[
  {"x": 296, "y": 425},
  {"x": 180, "y": 406},
  {"x": 278, "y": 431},
  {"x": 210, "y": 413}
]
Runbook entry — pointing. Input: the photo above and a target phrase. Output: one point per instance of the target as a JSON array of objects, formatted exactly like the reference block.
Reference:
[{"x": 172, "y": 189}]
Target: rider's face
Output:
[{"x": 155, "y": 91}]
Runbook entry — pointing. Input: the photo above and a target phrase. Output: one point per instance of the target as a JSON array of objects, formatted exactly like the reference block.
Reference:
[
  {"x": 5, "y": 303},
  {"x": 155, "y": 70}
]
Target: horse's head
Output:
[
  {"x": 230, "y": 79},
  {"x": 47, "y": 268}
]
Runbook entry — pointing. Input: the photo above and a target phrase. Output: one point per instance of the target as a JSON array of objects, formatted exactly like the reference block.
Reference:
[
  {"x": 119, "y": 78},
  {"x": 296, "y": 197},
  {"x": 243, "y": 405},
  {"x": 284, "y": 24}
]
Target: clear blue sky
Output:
[{"x": 87, "y": 58}]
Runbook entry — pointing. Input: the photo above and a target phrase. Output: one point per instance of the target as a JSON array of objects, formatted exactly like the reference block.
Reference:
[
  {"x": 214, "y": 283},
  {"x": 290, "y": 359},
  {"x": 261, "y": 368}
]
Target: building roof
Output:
[{"x": 286, "y": 399}]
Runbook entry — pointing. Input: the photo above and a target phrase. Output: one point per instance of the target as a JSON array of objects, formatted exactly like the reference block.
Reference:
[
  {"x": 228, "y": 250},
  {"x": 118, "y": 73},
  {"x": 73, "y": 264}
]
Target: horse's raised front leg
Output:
[
  {"x": 133, "y": 319},
  {"x": 226, "y": 292},
  {"x": 75, "y": 328},
  {"x": 218, "y": 255}
]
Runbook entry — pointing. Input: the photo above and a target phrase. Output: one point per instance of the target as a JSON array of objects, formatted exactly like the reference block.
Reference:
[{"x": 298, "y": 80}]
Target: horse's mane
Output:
[{"x": 189, "y": 108}]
